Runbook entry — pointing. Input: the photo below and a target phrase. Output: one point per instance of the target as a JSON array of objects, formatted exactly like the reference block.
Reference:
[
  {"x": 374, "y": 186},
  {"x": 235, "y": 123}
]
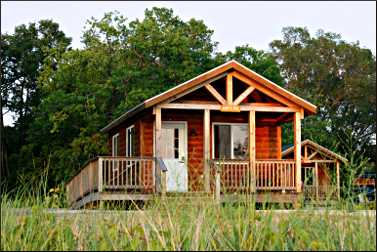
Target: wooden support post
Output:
[
  {"x": 252, "y": 155},
  {"x": 306, "y": 152},
  {"x": 206, "y": 127},
  {"x": 338, "y": 179},
  {"x": 297, "y": 148},
  {"x": 217, "y": 186},
  {"x": 100, "y": 175},
  {"x": 229, "y": 89},
  {"x": 316, "y": 181},
  {"x": 158, "y": 128}
]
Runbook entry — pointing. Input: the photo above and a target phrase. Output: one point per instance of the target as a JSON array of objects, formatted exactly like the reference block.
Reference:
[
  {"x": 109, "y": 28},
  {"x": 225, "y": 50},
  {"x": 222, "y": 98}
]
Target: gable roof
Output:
[
  {"x": 230, "y": 65},
  {"x": 317, "y": 147}
]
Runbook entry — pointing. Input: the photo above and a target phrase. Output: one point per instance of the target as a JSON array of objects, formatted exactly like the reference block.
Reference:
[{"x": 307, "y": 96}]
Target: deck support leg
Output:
[
  {"x": 338, "y": 179},
  {"x": 252, "y": 149},
  {"x": 206, "y": 127},
  {"x": 297, "y": 148},
  {"x": 217, "y": 185}
]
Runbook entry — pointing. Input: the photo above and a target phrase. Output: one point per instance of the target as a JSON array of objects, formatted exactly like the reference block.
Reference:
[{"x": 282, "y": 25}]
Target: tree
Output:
[
  {"x": 340, "y": 78},
  {"x": 23, "y": 55},
  {"x": 258, "y": 60},
  {"x": 122, "y": 63}
]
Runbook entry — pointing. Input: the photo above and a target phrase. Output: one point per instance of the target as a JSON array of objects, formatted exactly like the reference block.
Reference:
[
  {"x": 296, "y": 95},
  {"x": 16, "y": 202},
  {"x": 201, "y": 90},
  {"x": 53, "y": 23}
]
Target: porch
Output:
[{"x": 142, "y": 178}]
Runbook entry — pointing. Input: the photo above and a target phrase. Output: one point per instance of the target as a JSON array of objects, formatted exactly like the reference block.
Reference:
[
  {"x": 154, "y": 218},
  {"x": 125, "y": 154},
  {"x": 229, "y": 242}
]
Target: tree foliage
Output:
[
  {"x": 24, "y": 54},
  {"x": 340, "y": 78}
]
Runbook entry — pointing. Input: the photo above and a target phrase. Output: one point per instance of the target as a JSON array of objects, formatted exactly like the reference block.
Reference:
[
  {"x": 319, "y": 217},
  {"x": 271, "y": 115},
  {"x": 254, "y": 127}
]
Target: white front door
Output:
[{"x": 174, "y": 154}]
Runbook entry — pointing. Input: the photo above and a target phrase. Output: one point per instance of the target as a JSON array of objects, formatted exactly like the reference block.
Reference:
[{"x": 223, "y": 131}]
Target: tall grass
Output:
[{"x": 179, "y": 224}]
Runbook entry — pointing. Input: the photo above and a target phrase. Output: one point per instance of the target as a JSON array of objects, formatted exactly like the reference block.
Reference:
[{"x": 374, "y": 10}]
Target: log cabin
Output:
[{"x": 217, "y": 134}]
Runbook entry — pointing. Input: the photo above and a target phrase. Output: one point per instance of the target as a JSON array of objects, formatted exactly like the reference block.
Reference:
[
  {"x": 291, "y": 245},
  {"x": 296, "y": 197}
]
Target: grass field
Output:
[{"x": 182, "y": 225}]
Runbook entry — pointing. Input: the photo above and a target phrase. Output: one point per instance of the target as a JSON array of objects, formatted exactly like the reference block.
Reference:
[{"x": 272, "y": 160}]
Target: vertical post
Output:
[
  {"x": 316, "y": 181},
  {"x": 217, "y": 186},
  {"x": 158, "y": 122},
  {"x": 229, "y": 89},
  {"x": 252, "y": 148},
  {"x": 297, "y": 147},
  {"x": 338, "y": 179},
  {"x": 100, "y": 175},
  {"x": 206, "y": 156},
  {"x": 306, "y": 152}
]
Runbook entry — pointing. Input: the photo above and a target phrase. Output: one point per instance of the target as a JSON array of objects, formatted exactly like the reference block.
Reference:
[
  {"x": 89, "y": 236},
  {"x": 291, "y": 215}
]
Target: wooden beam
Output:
[
  {"x": 321, "y": 161},
  {"x": 297, "y": 149},
  {"x": 206, "y": 127},
  {"x": 100, "y": 175},
  {"x": 282, "y": 117},
  {"x": 252, "y": 148},
  {"x": 179, "y": 95},
  {"x": 305, "y": 152},
  {"x": 215, "y": 94},
  {"x": 229, "y": 89},
  {"x": 230, "y": 108},
  {"x": 212, "y": 106},
  {"x": 158, "y": 134},
  {"x": 263, "y": 89},
  {"x": 242, "y": 96},
  {"x": 338, "y": 179},
  {"x": 313, "y": 154},
  {"x": 316, "y": 180}
]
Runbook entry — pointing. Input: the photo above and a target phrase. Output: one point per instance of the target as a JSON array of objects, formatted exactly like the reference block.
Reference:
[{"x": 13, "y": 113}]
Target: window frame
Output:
[
  {"x": 129, "y": 140},
  {"x": 231, "y": 136},
  {"x": 115, "y": 136}
]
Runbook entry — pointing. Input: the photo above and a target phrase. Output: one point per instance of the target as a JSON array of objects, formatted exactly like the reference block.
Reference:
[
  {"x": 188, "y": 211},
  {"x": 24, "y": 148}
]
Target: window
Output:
[
  {"x": 115, "y": 145},
  {"x": 307, "y": 176},
  {"x": 130, "y": 141},
  {"x": 230, "y": 141}
]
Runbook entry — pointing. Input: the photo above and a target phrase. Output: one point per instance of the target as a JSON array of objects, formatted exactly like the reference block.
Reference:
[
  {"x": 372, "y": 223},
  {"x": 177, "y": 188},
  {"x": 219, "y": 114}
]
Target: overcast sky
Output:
[{"x": 234, "y": 23}]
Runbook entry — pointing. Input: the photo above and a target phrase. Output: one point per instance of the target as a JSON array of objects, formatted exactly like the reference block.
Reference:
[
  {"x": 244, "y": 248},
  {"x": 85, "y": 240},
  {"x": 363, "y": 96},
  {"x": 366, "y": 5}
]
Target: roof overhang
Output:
[
  {"x": 317, "y": 147},
  {"x": 308, "y": 107}
]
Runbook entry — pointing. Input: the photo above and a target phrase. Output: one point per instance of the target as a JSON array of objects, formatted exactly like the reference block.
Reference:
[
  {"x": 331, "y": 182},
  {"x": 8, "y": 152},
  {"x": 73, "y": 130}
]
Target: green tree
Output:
[
  {"x": 23, "y": 55},
  {"x": 259, "y": 61},
  {"x": 340, "y": 78},
  {"x": 122, "y": 63}
]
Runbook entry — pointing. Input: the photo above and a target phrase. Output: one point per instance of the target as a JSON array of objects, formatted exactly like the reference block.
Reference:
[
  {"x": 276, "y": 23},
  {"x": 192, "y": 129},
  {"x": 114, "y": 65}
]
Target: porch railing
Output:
[
  {"x": 236, "y": 175},
  {"x": 275, "y": 174},
  {"x": 112, "y": 173}
]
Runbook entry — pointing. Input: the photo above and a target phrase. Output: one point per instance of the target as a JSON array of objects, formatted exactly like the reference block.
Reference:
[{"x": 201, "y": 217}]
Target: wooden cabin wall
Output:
[
  {"x": 268, "y": 137},
  {"x": 323, "y": 174},
  {"x": 121, "y": 129}
]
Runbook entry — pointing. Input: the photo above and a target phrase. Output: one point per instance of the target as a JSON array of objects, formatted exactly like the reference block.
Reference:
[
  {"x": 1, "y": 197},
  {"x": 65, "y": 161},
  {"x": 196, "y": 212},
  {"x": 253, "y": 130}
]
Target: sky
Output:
[{"x": 234, "y": 23}]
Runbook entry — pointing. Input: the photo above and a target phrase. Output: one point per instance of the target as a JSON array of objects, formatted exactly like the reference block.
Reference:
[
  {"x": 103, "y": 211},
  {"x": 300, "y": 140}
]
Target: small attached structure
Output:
[{"x": 320, "y": 170}]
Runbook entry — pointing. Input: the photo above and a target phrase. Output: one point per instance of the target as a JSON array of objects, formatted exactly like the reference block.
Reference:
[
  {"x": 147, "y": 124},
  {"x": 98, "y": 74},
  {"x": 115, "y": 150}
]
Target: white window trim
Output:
[
  {"x": 231, "y": 136},
  {"x": 113, "y": 143},
  {"x": 129, "y": 140}
]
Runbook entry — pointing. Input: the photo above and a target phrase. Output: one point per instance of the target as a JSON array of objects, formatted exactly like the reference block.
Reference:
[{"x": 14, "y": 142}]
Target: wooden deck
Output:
[{"x": 141, "y": 179}]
